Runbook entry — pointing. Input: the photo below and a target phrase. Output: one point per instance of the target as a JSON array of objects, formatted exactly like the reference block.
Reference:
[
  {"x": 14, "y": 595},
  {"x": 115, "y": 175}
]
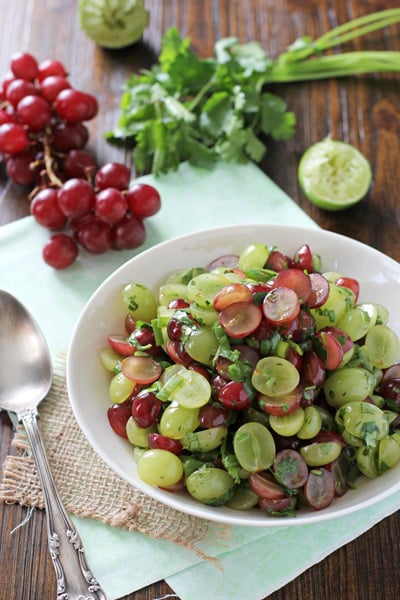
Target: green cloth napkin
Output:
[{"x": 255, "y": 561}]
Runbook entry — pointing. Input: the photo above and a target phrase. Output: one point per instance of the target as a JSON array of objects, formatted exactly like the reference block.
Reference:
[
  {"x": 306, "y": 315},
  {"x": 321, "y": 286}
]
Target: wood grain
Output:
[{"x": 362, "y": 110}]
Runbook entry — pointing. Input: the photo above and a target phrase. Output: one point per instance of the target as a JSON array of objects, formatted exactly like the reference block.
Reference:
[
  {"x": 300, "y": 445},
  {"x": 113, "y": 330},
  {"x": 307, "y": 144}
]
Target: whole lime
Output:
[{"x": 113, "y": 23}]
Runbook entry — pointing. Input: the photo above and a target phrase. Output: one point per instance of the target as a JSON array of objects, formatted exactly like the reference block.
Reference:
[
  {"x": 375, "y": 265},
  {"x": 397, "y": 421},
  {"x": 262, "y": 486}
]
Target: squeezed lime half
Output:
[
  {"x": 334, "y": 175},
  {"x": 113, "y": 23}
]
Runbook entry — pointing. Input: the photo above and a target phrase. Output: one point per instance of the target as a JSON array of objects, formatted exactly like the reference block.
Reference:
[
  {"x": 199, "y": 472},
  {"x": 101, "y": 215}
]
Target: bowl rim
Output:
[{"x": 230, "y": 516}]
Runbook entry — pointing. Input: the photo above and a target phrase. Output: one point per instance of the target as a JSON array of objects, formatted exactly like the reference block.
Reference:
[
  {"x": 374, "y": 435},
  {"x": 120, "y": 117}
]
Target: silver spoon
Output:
[{"x": 25, "y": 379}]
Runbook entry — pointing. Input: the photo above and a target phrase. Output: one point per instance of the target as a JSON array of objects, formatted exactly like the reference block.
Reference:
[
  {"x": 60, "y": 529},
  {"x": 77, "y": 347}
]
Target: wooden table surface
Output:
[{"x": 364, "y": 111}]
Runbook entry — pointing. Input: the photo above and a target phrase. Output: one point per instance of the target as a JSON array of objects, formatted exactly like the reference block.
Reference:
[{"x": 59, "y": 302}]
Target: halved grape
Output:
[
  {"x": 241, "y": 319},
  {"x": 204, "y": 440},
  {"x": 382, "y": 345},
  {"x": 288, "y": 425},
  {"x": 349, "y": 384},
  {"x": 275, "y": 376},
  {"x": 178, "y": 420},
  {"x": 253, "y": 256},
  {"x": 254, "y": 447},
  {"x": 120, "y": 388},
  {"x": 187, "y": 388},
  {"x": 332, "y": 310},
  {"x": 281, "y": 305},
  {"x": 210, "y": 485},
  {"x": 202, "y": 288},
  {"x": 201, "y": 345},
  {"x": 318, "y": 454},
  {"x": 356, "y": 322}
]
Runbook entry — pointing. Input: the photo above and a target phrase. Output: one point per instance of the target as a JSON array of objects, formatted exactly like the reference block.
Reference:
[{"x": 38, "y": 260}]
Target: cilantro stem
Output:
[{"x": 338, "y": 65}]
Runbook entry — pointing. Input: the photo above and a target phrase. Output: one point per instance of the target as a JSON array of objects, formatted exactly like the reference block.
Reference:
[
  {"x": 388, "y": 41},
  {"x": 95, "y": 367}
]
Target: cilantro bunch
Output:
[{"x": 186, "y": 108}]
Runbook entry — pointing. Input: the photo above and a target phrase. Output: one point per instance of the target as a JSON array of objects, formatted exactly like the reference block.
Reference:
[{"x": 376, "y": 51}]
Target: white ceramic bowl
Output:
[{"x": 379, "y": 278}]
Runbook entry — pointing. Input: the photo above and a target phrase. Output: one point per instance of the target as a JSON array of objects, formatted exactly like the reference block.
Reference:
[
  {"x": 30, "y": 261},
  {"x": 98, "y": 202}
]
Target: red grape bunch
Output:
[{"x": 42, "y": 140}]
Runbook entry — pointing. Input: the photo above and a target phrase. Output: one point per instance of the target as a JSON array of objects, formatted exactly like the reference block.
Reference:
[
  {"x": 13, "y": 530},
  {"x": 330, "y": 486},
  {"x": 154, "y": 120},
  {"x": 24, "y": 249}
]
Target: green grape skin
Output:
[
  {"x": 350, "y": 384},
  {"x": 205, "y": 316},
  {"x": 204, "y": 440},
  {"x": 254, "y": 447},
  {"x": 356, "y": 322},
  {"x": 138, "y": 435},
  {"x": 120, "y": 388},
  {"x": 275, "y": 376},
  {"x": 110, "y": 359},
  {"x": 177, "y": 420},
  {"x": 288, "y": 425},
  {"x": 312, "y": 423},
  {"x": 172, "y": 291},
  {"x": 382, "y": 345},
  {"x": 243, "y": 498},
  {"x": 363, "y": 421},
  {"x": 253, "y": 256},
  {"x": 318, "y": 454},
  {"x": 202, "y": 345},
  {"x": 160, "y": 468},
  {"x": 332, "y": 310},
  {"x": 188, "y": 388},
  {"x": 367, "y": 461},
  {"x": 210, "y": 485},
  {"x": 140, "y": 302},
  {"x": 388, "y": 453},
  {"x": 202, "y": 288}
]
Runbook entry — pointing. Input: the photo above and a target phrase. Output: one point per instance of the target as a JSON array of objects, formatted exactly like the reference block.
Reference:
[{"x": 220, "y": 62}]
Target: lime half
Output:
[
  {"x": 113, "y": 23},
  {"x": 334, "y": 175}
]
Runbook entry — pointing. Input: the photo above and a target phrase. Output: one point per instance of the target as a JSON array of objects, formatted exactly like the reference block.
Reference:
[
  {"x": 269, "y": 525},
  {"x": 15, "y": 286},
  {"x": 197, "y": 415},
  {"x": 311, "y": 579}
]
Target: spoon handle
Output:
[{"x": 75, "y": 581}]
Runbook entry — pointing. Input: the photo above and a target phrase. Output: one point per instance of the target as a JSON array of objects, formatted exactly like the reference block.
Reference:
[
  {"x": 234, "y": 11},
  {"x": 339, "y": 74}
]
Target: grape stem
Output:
[{"x": 48, "y": 163}]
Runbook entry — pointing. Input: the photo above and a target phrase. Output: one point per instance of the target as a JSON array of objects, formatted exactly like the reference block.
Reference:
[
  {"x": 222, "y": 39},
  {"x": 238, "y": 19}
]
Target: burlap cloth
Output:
[{"x": 88, "y": 487}]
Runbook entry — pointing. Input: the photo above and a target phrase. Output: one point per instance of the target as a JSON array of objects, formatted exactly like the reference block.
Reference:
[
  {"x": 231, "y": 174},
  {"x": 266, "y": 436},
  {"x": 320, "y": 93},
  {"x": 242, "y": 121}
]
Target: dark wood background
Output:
[{"x": 364, "y": 111}]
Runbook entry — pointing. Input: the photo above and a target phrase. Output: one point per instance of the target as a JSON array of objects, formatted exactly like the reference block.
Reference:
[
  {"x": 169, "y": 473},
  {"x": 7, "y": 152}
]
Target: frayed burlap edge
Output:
[{"x": 88, "y": 487}]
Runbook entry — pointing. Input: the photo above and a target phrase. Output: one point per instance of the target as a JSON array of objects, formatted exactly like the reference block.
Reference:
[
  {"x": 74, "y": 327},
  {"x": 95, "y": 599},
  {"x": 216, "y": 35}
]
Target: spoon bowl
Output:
[
  {"x": 25, "y": 379},
  {"x": 25, "y": 365}
]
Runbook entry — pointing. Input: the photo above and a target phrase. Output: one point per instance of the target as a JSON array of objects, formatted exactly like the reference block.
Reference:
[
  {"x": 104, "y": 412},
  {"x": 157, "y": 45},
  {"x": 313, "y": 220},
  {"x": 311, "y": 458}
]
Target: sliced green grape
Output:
[
  {"x": 110, "y": 359},
  {"x": 210, "y": 485},
  {"x": 312, "y": 423},
  {"x": 160, "y": 468},
  {"x": 288, "y": 425},
  {"x": 202, "y": 288},
  {"x": 332, "y": 310},
  {"x": 371, "y": 309},
  {"x": 187, "y": 388},
  {"x": 319, "y": 454},
  {"x": 253, "y": 256},
  {"x": 140, "y": 302},
  {"x": 382, "y": 345},
  {"x": 177, "y": 420},
  {"x": 364, "y": 421},
  {"x": 233, "y": 276},
  {"x": 275, "y": 376},
  {"x": 120, "y": 388},
  {"x": 388, "y": 454},
  {"x": 201, "y": 345},
  {"x": 138, "y": 435},
  {"x": 350, "y": 384},
  {"x": 204, "y": 440},
  {"x": 382, "y": 316},
  {"x": 254, "y": 447},
  {"x": 356, "y": 322},
  {"x": 205, "y": 316},
  {"x": 367, "y": 461},
  {"x": 243, "y": 498},
  {"x": 172, "y": 291}
]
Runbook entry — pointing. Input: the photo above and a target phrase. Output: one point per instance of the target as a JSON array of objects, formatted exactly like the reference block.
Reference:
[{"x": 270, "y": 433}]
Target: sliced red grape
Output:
[
  {"x": 230, "y": 294},
  {"x": 141, "y": 369},
  {"x": 303, "y": 259},
  {"x": 290, "y": 469},
  {"x": 319, "y": 290},
  {"x": 265, "y": 486},
  {"x": 319, "y": 489},
  {"x": 296, "y": 280},
  {"x": 281, "y": 306},
  {"x": 240, "y": 319},
  {"x": 121, "y": 345}
]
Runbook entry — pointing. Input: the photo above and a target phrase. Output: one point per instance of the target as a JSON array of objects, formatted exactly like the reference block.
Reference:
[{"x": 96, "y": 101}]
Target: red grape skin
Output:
[
  {"x": 21, "y": 167},
  {"x": 60, "y": 251},
  {"x": 143, "y": 200},
  {"x": 94, "y": 235},
  {"x": 13, "y": 138},
  {"x": 46, "y": 209},
  {"x": 51, "y": 86},
  {"x": 113, "y": 175},
  {"x": 34, "y": 112},
  {"x": 70, "y": 136},
  {"x": 110, "y": 206},
  {"x": 129, "y": 233},
  {"x": 76, "y": 197},
  {"x": 79, "y": 163},
  {"x": 74, "y": 105},
  {"x": 24, "y": 65},
  {"x": 18, "y": 89},
  {"x": 50, "y": 67}
]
